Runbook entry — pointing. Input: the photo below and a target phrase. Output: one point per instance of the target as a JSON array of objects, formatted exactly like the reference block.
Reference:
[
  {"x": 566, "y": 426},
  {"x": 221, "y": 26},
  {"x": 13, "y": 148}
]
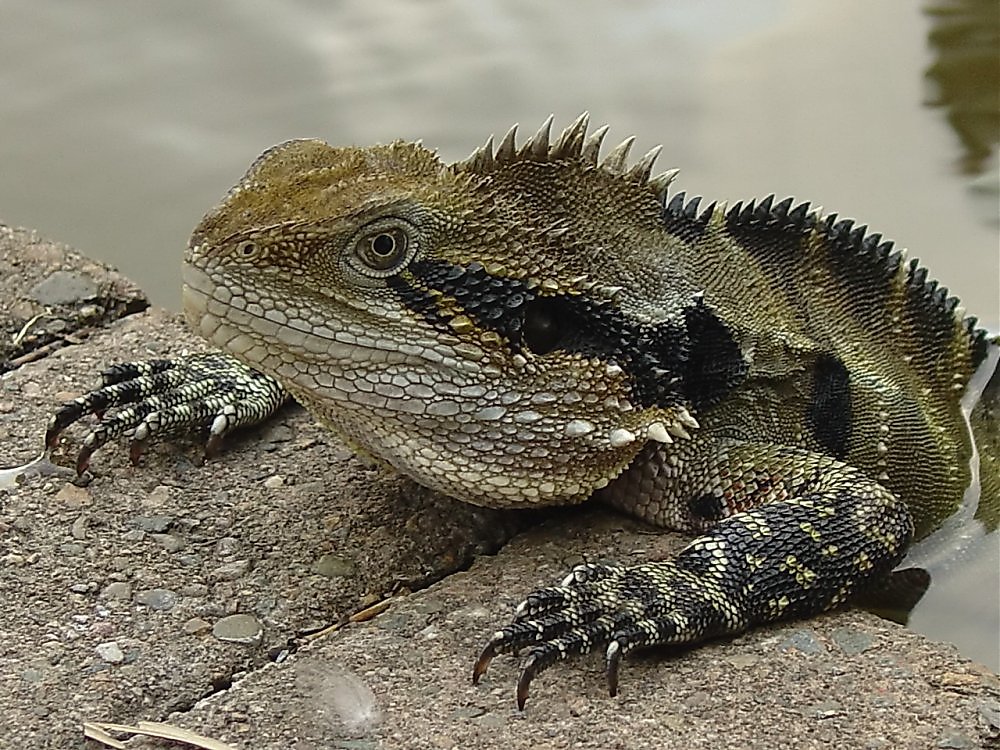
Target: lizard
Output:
[{"x": 537, "y": 325}]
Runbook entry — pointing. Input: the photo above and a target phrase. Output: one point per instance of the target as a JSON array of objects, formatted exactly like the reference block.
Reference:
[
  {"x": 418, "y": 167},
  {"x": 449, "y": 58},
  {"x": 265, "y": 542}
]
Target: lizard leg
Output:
[
  {"x": 826, "y": 530},
  {"x": 198, "y": 392}
]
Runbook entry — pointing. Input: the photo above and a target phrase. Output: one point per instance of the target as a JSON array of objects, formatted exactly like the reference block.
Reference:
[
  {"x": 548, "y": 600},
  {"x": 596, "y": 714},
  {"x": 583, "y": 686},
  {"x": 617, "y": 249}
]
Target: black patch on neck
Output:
[
  {"x": 715, "y": 363},
  {"x": 829, "y": 413},
  {"x": 706, "y": 508},
  {"x": 696, "y": 361}
]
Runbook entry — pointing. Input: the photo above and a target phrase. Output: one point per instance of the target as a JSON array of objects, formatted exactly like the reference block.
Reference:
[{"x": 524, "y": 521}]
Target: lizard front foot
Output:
[
  {"x": 197, "y": 392},
  {"x": 614, "y": 608}
]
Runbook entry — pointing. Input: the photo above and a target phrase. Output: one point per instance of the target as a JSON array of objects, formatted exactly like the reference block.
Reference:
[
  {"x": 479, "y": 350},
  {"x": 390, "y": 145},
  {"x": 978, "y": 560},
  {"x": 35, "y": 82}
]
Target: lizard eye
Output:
[
  {"x": 247, "y": 250},
  {"x": 383, "y": 250}
]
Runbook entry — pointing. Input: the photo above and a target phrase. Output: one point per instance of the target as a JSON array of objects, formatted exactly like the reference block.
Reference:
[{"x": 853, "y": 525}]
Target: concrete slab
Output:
[
  {"x": 402, "y": 680},
  {"x": 190, "y": 593}
]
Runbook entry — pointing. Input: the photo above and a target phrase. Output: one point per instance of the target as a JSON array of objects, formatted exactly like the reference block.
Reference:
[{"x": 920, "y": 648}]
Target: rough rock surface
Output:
[
  {"x": 191, "y": 593},
  {"x": 50, "y": 295}
]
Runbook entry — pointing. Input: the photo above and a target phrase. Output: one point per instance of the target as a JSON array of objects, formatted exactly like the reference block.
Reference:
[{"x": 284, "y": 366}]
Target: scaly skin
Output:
[{"x": 533, "y": 327}]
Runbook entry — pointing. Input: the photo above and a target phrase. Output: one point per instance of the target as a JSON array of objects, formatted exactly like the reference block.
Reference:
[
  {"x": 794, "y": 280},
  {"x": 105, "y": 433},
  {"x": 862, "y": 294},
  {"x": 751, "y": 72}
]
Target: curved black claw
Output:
[
  {"x": 611, "y": 608},
  {"x": 212, "y": 392}
]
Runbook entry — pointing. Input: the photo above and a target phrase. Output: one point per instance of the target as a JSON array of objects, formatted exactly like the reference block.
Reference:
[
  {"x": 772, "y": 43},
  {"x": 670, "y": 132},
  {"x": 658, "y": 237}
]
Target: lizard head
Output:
[{"x": 475, "y": 325}]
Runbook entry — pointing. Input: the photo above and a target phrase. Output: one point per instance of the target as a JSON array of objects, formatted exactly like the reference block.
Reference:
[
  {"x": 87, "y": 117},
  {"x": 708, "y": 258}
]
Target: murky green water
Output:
[{"x": 120, "y": 124}]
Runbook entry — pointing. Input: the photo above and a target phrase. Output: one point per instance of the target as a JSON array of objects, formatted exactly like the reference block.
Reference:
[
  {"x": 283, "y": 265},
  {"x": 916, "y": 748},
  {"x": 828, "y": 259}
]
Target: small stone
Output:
[
  {"x": 64, "y": 288},
  {"x": 823, "y": 710},
  {"x": 79, "y": 588},
  {"x": 275, "y": 481},
  {"x": 196, "y": 626},
  {"x": 110, "y": 652},
  {"x": 698, "y": 699},
  {"x": 804, "y": 641},
  {"x": 70, "y": 549},
  {"x": 953, "y": 739},
  {"x": 742, "y": 661},
  {"x": 169, "y": 542},
  {"x": 334, "y": 566},
  {"x": 74, "y": 497},
  {"x": 227, "y": 546},
  {"x": 239, "y": 628},
  {"x": 852, "y": 641},
  {"x": 153, "y": 524},
  {"x": 231, "y": 571},
  {"x": 194, "y": 590},
  {"x": 157, "y": 599},
  {"x": 117, "y": 590},
  {"x": 79, "y": 528},
  {"x": 32, "y": 675},
  {"x": 158, "y": 498}
]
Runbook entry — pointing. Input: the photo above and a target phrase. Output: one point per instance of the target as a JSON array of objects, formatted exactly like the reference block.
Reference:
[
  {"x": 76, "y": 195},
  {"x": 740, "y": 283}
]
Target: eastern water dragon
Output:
[{"x": 536, "y": 325}]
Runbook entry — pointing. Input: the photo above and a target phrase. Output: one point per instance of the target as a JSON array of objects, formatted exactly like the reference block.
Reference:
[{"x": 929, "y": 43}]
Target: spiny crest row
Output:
[
  {"x": 572, "y": 145},
  {"x": 844, "y": 237}
]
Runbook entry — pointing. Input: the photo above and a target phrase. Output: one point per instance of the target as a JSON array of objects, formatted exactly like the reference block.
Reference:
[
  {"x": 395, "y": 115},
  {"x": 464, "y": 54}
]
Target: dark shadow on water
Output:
[{"x": 965, "y": 75}]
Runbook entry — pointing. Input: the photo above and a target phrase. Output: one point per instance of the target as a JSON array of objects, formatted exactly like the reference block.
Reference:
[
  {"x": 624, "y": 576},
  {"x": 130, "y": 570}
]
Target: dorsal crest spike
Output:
[
  {"x": 570, "y": 143},
  {"x": 480, "y": 160},
  {"x": 536, "y": 148},
  {"x": 641, "y": 170},
  {"x": 506, "y": 151},
  {"x": 592, "y": 146},
  {"x": 615, "y": 161},
  {"x": 662, "y": 181}
]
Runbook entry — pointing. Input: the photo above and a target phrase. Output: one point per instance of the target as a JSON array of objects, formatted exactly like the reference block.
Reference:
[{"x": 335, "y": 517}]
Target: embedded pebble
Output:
[
  {"x": 79, "y": 528},
  {"x": 953, "y": 739},
  {"x": 804, "y": 641},
  {"x": 231, "y": 571},
  {"x": 823, "y": 710},
  {"x": 334, "y": 566},
  {"x": 157, "y": 599},
  {"x": 852, "y": 641},
  {"x": 153, "y": 524},
  {"x": 196, "y": 626},
  {"x": 110, "y": 652},
  {"x": 64, "y": 288},
  {"x": 169, "y": 542},
  {"x": 158, "y": 498},
  {"x": 117, "y": 590},
  {"x": 239, "y": 628},
  {"x": 227, "y": 546},
  {"x": 74, "y": 497},
  {"x": 275, "y": 481}
]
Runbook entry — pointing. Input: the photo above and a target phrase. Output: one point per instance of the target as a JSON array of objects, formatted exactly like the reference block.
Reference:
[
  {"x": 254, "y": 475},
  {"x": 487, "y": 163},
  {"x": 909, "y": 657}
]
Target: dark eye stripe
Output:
[{"x": 695, "y": 358}]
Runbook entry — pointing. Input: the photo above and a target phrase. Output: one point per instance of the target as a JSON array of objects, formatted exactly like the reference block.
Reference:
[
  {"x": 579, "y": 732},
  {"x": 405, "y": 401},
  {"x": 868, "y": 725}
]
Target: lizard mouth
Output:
[{"x": 245, "y": 329}]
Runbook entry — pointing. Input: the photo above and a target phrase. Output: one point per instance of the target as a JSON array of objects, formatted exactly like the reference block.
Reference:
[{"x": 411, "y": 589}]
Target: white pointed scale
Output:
[{"x": 658, "y": 432}]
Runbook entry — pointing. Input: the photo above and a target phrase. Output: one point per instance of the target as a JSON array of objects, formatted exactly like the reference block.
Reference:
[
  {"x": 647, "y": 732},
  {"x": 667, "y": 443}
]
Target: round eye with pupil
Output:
[
  {"x": 384, "y": 250},
  {"x": 383, "y": 244}
]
